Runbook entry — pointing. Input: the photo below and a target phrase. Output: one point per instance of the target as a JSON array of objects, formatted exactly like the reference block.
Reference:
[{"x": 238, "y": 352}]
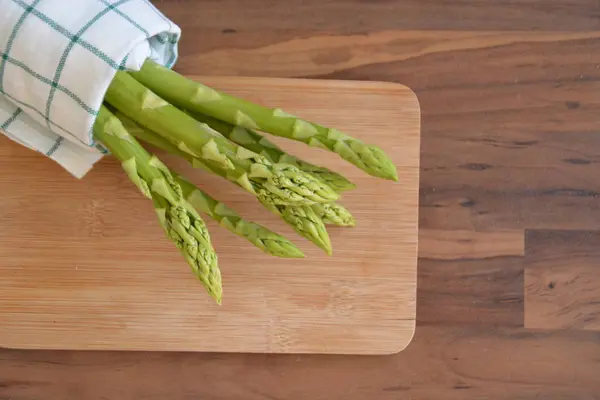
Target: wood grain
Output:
[
  {"x": 110, "y": 280},
  {"x": 447, "y": 363},
  {"x": 510, "y": 94},
  {"x": 368, "y": 15},
  {"x": 562, "y": 280},
  {"x": 309, "y": 54},
  {"x": 464, "y": 245}
]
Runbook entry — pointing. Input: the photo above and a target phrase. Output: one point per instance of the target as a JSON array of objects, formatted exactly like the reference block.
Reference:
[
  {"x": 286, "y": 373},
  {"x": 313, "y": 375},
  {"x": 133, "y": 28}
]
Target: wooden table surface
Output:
[{"x": 508, "y": 300}]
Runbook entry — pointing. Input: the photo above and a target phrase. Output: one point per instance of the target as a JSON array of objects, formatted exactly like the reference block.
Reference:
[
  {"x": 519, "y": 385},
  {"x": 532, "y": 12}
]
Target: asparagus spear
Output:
[
  {"x": 284, "y": 184},
  {"x": 307, "y": 224},
  {"x": 263, "y": 238},
  {"x": 178, "y": 218},
  {"x": 304, "y": 220},
  {"x": 258, "y": 143},
  {"x": 191, "y": 95},
  {"x": 156, "y": 140},
  {"x": 330, "y": 213},
  {"x": 334, "y": 214}
]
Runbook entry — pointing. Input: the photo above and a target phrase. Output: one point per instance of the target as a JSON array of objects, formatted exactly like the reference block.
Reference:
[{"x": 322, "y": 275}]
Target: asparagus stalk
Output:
[
  {"x": 303, "y": 219},
  {"x": 180, "y": 221},
  {"x": 263, "y": 238},
  {"x": 156, "y": 140},
  {"x": 330, "y": 213},
  {"x": 283, "y": 184},
  {"x": 306, "y": 222},
  {"x": 258, "y": 143},
  {"x": 334, "y": 214},
  {"x": 191, "y": 95}
]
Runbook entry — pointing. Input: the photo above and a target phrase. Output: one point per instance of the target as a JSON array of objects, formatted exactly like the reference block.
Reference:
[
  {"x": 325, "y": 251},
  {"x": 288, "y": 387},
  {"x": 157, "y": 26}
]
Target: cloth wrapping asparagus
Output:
[{"x": 49, "y": 49}]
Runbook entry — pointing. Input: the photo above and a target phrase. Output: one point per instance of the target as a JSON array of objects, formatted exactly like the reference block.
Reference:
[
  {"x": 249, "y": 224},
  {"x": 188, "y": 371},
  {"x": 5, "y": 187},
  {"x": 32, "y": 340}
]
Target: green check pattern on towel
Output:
[{"x": 58, "y": 57}]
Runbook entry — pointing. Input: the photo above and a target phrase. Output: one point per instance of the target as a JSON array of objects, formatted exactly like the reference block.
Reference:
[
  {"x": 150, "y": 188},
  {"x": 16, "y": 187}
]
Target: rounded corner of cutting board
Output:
[
  {"x": 402, "y": 345},
  {"x": 405, "y": 336}
]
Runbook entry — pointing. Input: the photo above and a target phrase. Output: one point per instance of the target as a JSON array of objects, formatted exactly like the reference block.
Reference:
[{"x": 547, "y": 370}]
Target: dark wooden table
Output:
[{"x": 509, "y": 273}]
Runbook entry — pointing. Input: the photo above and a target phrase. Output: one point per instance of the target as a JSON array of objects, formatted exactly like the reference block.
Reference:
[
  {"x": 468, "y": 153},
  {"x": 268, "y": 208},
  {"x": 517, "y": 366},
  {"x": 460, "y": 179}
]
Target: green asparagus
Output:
[
  {"x": 181, "y": 222},
  {"x": 303, "y": 219},
  {"x": 305, "y": 222},
  {"x": 330, "y": 213},
  {"x": 258, "y": 143},
  {"x": 263, "y": 238},
  {"x": 334, "y": 214},
  {"x": 283, "y": 184},
  {"x": 191, "y": 95},
  {"x": 156, "y": 140}
]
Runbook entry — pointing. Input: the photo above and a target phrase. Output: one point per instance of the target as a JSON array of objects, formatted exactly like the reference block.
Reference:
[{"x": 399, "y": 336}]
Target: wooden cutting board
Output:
[{"x": 84, "y": 264}]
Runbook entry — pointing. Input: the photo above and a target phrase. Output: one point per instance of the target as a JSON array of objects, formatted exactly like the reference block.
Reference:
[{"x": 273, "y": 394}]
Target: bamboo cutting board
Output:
[{"x": 85, "y": 265}]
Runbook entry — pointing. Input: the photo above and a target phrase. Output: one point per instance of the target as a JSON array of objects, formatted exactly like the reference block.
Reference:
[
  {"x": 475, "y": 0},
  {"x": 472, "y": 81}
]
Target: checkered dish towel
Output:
[{"x": 58, "y": 57}]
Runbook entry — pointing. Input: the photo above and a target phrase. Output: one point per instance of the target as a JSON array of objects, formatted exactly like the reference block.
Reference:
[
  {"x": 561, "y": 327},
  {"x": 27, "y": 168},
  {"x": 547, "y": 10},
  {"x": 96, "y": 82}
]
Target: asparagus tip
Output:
[
  {"x": 325, "y": 245},
  {"x": 284, "y": 249},
  {"x": 217, "y": 295},
  {"x": 296, "y": 253}
]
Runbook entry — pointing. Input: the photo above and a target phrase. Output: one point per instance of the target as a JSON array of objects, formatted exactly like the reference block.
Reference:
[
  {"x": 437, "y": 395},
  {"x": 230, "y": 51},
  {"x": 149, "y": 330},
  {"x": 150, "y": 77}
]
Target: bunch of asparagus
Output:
[{"x": 219, "y": 133}]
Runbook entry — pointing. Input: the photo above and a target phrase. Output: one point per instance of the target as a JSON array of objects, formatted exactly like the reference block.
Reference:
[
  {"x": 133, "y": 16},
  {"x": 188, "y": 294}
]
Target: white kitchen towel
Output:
[{"x": 58, "y": 57}]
